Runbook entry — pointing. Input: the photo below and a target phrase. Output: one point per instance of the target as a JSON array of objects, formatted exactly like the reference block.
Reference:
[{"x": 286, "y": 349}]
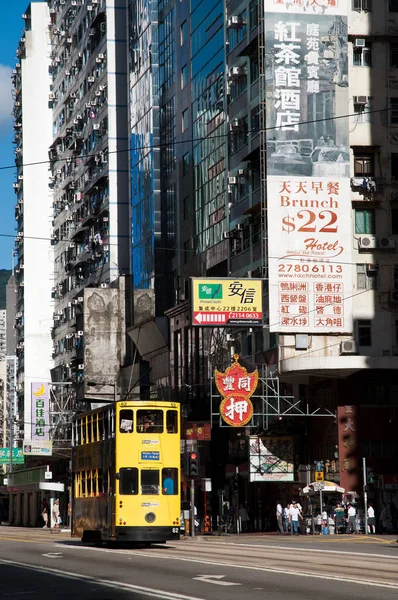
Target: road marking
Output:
[
  {"x": 53, "y": 555},
  {"x": 216, "y": 579},
  {"x": 310, "y": 574},
  {"x": 117, "y": 585}
]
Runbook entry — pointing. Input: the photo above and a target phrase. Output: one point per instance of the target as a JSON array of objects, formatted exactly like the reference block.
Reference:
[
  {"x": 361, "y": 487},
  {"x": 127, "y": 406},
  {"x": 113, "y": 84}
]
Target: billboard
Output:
[
  {"x": 227, "y": 301},
  {"x": 271, "y": 458},
  {"x": 37, "y": 447},
  {"x": 17, "y": 456},
  {"x": 308, "y": 166},
  {"x": 236, "y": 386},
  {"x": 40, "y": 398}
]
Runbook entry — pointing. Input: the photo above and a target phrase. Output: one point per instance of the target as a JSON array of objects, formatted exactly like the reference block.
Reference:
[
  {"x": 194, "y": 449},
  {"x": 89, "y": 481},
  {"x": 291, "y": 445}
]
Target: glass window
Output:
[
  {"x": 150, "y": 482},
  {"x": 184, "y": 76},
  {"x": 185, "y": 164},
  {"x": 170, "y": 482},
  {"x": 394, "y": 165},
  {"x": 149, "y": 421},
  {"x": 364, "y": 333},
  {"x": 126, "y": 420},
  {"x": 394, "y": 111},
  {"x": 183, "y": 32},
  {"x": 362, "y": 5},
  {"x": 184, "y": 120},
  {"x": 186, "y": 204},
  {"x": 394, "y": 221},
  {"x": 393, "y": 6},
  {"x": 362, "y": 56},
  {"x": 128, "y": 481},
  {"x": 364, "y": 165},
  {"x": 253, "y": 13},
  {"x": 254, "y": 70},
  {"x": 172, "y": 421},
  {"x": 394, "y": 56},
  {"x": 365, "y": 220}
]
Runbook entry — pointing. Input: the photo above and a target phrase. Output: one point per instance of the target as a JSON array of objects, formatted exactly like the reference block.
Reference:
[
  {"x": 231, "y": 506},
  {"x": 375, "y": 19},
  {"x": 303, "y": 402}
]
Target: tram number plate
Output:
[{"x": 175, "y": 530}]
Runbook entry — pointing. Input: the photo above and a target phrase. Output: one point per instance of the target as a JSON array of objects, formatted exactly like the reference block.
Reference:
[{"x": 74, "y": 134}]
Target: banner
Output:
[
  {"x": 37, "y": 447},
  {"x": 40, "y": 397},
  {"x": 308, "y": 166},
  {"x": 271, "y": 458}
]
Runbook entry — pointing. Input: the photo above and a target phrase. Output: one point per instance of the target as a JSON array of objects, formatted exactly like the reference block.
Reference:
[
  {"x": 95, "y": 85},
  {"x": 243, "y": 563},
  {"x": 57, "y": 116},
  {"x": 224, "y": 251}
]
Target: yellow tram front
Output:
[{"x": 127, "y": 472}]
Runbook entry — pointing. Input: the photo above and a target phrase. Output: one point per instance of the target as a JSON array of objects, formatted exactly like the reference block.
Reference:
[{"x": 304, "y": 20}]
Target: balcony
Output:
[{"x": 367, "y": 189}]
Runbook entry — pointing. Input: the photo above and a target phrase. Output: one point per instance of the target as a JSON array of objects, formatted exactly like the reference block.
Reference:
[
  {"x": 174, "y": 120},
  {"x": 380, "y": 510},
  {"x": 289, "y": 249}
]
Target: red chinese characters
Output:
[{"x": 236, "y": 386}]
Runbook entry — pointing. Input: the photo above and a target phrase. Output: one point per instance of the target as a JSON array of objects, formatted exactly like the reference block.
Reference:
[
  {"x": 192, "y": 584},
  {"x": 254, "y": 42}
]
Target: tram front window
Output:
[{"x": 128, "y": 481}]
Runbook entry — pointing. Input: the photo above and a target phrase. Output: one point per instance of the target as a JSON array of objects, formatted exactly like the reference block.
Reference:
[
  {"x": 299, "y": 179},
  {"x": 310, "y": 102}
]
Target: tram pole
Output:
[{"x": 192, "y": 507}]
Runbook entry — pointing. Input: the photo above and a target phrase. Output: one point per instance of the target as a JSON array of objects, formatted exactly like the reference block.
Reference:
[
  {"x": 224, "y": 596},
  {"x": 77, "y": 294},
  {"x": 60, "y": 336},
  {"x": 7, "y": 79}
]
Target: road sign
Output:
[
  {"x": 17, "y": 456},
  {"x": 319, "y": 476},
  {"x": 227, "y": 301}
]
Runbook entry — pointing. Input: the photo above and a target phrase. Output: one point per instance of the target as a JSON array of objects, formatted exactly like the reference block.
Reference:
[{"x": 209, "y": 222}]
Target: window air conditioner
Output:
[
  {"x": 394, "y": 296},
  {"x": 80, "y": 333},
  {"x": 67, "y": 73},
  {"x": 348, "y": 347},
  {"x": 91, "y": 79},
  {"x": 104, "y": 285},
  {"x": 80, "y": 298},
  {"x": 235, "y": 72},
  {"x": 101, "y": 56},
  {"x": 96, "y": 126},
  {"x": 359, "y": 43},
  {"x": 387, "y": 242},
  {"x": 24, "y": 16},
  {"x": 81, "y": 367},
  {"x": 232, "y": 180},
  {"x": 367, "y": 242},
  {"x": 51, "y": 96},
  {"x": 360, "y": 99},
  {"x": 90, "y": 7},
  {"x": 69, "y": 40},
  {"x": 73, "y": 95}
]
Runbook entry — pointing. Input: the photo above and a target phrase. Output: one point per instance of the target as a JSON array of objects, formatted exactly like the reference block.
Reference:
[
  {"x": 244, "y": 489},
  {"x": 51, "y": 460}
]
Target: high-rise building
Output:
[
  {"x": 34, "y": 269},
  {"x": 90, "y": 187}
]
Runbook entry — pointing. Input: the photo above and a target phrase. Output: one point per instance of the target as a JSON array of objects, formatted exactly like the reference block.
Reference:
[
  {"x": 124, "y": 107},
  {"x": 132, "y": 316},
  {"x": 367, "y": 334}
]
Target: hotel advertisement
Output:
[{"x": 308, "y": 166}]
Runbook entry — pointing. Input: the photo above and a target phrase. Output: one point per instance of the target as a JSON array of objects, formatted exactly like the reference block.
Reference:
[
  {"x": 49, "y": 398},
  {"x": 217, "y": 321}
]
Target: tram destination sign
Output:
[{"x": 227, "y": 302}]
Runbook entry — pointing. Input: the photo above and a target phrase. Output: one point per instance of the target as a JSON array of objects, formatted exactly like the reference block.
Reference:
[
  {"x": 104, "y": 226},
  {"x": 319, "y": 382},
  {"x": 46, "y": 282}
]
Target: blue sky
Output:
[{"x": 11, "y": 26}]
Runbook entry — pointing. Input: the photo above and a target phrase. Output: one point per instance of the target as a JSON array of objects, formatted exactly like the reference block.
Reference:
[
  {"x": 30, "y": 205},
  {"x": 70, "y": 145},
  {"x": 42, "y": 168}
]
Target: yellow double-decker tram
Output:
[{"x": 126, "y": 471}]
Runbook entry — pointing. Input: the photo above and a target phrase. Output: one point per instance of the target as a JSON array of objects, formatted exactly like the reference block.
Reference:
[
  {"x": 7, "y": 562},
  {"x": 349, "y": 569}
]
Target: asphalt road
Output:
[{"x": 38, "y": 565}]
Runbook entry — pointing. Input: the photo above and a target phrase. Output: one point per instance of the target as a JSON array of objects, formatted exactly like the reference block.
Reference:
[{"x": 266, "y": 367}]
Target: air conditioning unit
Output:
[
  {"x": 67, "y": 73},
  {"x": 98, "y": 93},
  {"x": 102, "y": 88},
  {"x": 51, "y": 96},
  {"x": 69, "y": 40},
  {"x": 91, "y": 79},
  {"x": 90, "y": 7},
  {"x": 73, "y": 95},
  {"x": 88, "y": 105},
  {"x": 59, "y": 171},
  {"x": 80, "y": 333},
  {"x": 81, "y": 367},
  {"x": 394, "y": 296},
  {"x": 387, "y": 242},
  {"x": 69, "y": 304},
  {"x": 101, "y": 56},
  {"x": 360, "y": 100},
  {"x": 96, "y": 126},
  {"x": 239, "y": 227},
  {"x": 235, "y": 72},
  {"x": 359, "y": 43},
  {"x": 226, "y": 235},
  {"x": 372, "y": 268},
  {"x": 80, "y": 298},
  {"x": 232, "y": 180},
  {"x": 24, "y": 16},
  {"x": 104, "y": 285},
  {"x": 367, "y": 242},
  {"x": 69, "y": 336},
  {"x": 348, "y": 347}
]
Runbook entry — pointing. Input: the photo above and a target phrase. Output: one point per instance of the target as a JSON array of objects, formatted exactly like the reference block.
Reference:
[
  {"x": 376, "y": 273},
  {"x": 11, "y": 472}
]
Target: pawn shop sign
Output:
[{"x": 236, "y": 386}]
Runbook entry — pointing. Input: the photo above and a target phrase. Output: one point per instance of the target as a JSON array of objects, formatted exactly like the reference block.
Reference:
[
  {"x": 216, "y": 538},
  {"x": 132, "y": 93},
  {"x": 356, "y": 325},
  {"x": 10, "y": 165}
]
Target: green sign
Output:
[
  {"x": 17, "y": 456},
  {"x": 211, "y": 291}
]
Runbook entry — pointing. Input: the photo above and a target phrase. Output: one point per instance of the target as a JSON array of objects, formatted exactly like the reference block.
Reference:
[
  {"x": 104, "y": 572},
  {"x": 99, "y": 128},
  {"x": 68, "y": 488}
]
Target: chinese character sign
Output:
[
  {"x": 347, "y": 430},
  {"x": 308, "y": 167},
  {"x": 236, "y": 386},
  {"x": 40, "y": 398}
]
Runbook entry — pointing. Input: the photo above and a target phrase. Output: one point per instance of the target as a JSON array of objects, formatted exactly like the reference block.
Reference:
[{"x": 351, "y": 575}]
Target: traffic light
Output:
[
  {"x": 193, "y": 464},
  {"x": 235, "y": 483}
]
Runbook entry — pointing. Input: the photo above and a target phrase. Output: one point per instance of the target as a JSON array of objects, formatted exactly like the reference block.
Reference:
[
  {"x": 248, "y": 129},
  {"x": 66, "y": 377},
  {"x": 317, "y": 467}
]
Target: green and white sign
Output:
[{"x": 17, "y": 456}]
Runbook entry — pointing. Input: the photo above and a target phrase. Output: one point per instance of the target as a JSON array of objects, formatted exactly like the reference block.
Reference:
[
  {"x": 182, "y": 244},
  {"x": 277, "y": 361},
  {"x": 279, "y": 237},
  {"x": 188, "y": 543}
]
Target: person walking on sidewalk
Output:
[
  {"x": 286, "y": 519},
  {"x": 44, "y": 516},
  {"x": 295, "y": 515},
  {"x": 371, "y": 520},
  {"x": 56, "y": 517},
  {"x": 351, "y": 525},
  {"x": 279, "y": 517}
]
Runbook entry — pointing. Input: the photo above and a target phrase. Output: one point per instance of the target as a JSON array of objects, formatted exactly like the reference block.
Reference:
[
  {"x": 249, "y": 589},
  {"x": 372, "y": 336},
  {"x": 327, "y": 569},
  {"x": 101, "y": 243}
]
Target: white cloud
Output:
[{"x": 6, "y": 100}]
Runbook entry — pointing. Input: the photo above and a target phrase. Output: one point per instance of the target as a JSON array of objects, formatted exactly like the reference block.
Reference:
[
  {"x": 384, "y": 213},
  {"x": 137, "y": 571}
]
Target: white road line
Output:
[
  {"x": 145, "y": 591},
  {"x": 310, "y": 574},
  {"x": 215, "y": 579}
]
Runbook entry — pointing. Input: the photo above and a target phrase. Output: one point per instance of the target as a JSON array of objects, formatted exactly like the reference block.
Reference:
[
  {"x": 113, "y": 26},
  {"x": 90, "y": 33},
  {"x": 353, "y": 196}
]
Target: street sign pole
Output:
[{"x": 365, "y": 493}]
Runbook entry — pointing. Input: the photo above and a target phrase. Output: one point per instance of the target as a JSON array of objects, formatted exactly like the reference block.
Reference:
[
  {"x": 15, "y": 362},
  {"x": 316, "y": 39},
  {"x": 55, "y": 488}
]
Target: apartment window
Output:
[
  {"x": 253, "y": 13},
  {"x": 394, "y": 56},
  {"x": 365, "y": 5},
  {"x": 364, "y": 164},
  {"x": 394, "y": 165},
  {"x": 186, "y": 206},
  {"x": 363, "y": 110},
  {"x": 393, "y": 6},
  {"x": 185, "y": 164},
  {"x": 184, "y": 120},
  {"x": 365, "y": 221},
  {"x": 364, "y": 333},
  {"x": 394, "y": 220},
  {"x": 183, "y": 33},
  {"x": 254, "y": 70},
  {"x": 184, "y": 76},
  {"x": 394, "y": 111},
  {"x": 367, "y": 277},
  {"x": 362, "y": 54}
]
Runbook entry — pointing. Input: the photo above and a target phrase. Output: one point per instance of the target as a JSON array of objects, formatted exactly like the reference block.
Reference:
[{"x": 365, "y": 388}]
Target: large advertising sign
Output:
[
  {"x": 271, "y": 458},
  {"x": 227, "y": 302},
  {"x": 40, "y": 397},
  {"x": 308, "y": 166}
]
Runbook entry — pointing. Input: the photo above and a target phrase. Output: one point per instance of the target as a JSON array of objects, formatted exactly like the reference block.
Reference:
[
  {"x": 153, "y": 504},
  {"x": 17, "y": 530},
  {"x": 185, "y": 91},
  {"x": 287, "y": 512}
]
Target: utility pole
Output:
[
  {"x": 365, "y": 493},
  {"x": 11, "y": 431},
  {"x": 192, "y": 507}
]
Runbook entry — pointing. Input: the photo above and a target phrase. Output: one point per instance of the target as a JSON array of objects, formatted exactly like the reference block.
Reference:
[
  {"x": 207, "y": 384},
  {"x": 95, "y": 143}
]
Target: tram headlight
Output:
[{"x": 150, "y": 517}]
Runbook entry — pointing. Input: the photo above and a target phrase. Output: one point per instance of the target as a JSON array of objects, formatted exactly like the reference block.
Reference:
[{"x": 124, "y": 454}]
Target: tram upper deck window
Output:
[
  {"x": 172, "y": 421},
  {"x": 126, "y": 420},
  {"x": 149, "y": 421}
]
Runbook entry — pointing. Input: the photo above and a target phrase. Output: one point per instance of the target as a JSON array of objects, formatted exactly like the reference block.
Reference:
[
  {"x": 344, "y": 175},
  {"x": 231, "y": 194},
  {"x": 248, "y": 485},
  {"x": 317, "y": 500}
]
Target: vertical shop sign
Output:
[
  {"x": 347, "y": 427},
  {"x": 308, "y": 166},
  {"x": 40, "y": 396}
]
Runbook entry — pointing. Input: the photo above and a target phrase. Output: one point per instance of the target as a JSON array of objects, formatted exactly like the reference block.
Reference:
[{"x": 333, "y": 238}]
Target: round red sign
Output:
[{"x": 236, "y": 410}]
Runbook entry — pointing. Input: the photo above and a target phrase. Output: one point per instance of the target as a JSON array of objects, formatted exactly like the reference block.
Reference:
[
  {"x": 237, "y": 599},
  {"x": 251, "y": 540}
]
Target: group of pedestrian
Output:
[
  {"x": 288, "y": 518},
  {"x": 351, "y": 520}
]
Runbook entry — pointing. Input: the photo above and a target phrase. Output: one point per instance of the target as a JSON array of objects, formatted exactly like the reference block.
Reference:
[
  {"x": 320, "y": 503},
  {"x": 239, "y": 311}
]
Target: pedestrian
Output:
[
  {"x": 286, "y": 519},
  {"x": 244, "y": 518},
  {"x": 56, "y": 515},
  {"x": 279, "y": 517},
  {"x": 371, "y": 519},
  {"x": 295, "y": 515},
  {"x": 44, "y": 516},
  {"x": 351, "y": 520}
]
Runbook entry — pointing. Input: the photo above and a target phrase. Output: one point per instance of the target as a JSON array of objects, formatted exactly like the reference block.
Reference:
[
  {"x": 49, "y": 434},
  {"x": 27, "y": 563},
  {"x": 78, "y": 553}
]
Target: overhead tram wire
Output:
[{"x": 192, "y": 140}]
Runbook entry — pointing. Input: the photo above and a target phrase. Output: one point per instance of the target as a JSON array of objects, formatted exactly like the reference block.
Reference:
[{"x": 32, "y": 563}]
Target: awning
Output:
[
  {"x": 323, "y": 486},
  {"x": 47, "y": 486}
]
